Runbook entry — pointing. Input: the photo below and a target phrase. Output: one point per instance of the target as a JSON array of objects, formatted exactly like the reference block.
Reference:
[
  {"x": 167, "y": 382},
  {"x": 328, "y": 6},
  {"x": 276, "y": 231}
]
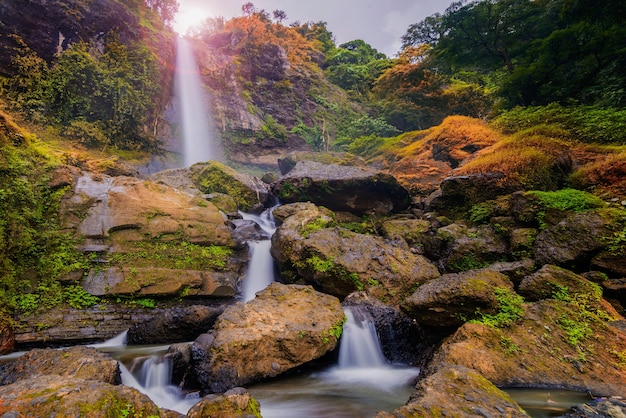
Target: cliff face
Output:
[{"x": 49, "y": 26}]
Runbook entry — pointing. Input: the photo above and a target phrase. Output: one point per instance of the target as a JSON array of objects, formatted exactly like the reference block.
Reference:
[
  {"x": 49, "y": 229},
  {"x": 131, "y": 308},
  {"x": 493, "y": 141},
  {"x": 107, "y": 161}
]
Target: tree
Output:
[
  {"x": 167, "y": 9},
  {"x": 279, "y": 16}
]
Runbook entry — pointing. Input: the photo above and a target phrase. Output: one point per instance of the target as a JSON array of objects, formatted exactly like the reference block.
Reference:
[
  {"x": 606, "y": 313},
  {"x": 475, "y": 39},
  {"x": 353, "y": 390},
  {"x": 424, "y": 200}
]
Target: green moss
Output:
[
  {"x": 567, "y": 200},
  {"x": 316, "y": 225},
  {"x": 215, "y": 177},
  {"x": 510, "y": 309}
]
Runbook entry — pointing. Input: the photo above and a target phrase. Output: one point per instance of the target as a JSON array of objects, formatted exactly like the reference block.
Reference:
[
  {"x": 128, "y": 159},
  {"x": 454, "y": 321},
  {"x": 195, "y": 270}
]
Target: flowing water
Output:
[
  {"x": 361, "y": 384},
  {"x": 197, "y": 128},
  {"x": 261, "y": 268}
]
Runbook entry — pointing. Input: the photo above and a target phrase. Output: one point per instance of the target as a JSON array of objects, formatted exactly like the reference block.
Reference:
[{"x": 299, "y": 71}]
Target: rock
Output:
[
  {"x": 523, "y": 242},
  {"x": 174, "y": 325},
  {"x": 514, "y": 270},
  {"x": 411, "y": 231},
  {"x": 611, "y": 262},
  {"x": 456, "y": 391},
  {"x": 236, "y": 402},
  {"x": 572, "y": 242},
  {"x": 76, "y": 362},
  {"x": 150, "y": 209},
  {"x": 287, "y": 162},
  {"x": 284, "y": 327},
  {"x": 342, "y": 188},
  {"x": 555, "y": 282},
  {"x": 249, "y": 192},
  {"x": 64, "y": 396},
  {"x": 463, "y": 191},
  {"x": 452, "y": 299},
  {"x": 600, "y": 408},
  {"x": 339, "y": 262},
  {"x": 553, "y": 345},
  {"x": 470, "y": 248},
  {"x": 7, "y": 337},
  {"x": 248, "y": 230},
  {"x": 63, "y": 176},
  {"x": 177, "y": 178}
]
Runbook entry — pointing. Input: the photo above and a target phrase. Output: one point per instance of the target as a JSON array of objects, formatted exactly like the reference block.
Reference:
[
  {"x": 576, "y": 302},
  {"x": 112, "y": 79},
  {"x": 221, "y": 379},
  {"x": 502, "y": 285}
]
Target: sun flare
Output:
[{"x": 188, "y": 17}]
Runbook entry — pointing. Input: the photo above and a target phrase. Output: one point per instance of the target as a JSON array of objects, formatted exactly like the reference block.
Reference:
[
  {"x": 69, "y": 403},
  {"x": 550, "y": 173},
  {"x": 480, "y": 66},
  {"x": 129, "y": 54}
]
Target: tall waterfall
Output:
[
  {"x": 261, "y": 269},
  {"x": 195, "y": 113}
]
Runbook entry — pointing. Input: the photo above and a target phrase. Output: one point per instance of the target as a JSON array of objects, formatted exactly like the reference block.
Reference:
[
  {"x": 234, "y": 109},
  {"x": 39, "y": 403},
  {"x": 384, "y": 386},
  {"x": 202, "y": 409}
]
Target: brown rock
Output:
[
  {"x": 79, "y": 362},
  {"x": 554, "y": 345},
  {"x": 234, "y": 403},
  {"x": 556, "y": 282},
  {"x": 456, "y": 391},
  {"x": 452, "y": 299},
  {"x": 63, "y": 396},
  {"x": 283, "y": 327}
]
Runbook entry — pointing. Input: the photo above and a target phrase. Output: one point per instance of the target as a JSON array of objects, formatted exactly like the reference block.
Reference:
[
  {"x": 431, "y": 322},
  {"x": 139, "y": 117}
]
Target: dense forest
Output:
[{"x": 101, "y": 88}]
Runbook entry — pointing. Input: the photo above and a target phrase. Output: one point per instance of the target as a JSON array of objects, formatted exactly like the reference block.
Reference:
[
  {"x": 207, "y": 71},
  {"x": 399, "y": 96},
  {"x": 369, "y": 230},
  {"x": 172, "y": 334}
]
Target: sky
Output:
[{"x": 380, "y": 23}]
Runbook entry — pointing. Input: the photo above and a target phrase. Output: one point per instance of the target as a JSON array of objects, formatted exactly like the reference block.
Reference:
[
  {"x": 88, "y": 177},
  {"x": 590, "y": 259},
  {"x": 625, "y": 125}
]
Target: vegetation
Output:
[{"x": 510, "y": 309}]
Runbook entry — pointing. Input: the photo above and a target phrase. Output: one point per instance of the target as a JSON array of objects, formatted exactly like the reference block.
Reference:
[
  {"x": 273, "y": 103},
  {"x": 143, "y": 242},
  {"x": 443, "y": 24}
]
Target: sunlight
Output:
[{"x": 188, "y": 17}]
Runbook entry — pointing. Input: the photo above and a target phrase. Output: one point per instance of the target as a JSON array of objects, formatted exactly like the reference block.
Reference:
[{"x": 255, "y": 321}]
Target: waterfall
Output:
[
  {"x": 361, "y": 360},
  {"x": 360, "y": 346},
  {"x": 152, "y": 376},
  {"x": 195, "y": 113},
  {"x": 261, "y": 269}
]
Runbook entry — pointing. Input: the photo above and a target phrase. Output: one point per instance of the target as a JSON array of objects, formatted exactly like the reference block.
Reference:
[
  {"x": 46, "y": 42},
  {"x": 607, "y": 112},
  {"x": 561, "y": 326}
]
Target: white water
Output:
[
  {"x": 261, "y": 269},
  {"x": 362, "y": 383},
  {"x": 198, "y": 138}
]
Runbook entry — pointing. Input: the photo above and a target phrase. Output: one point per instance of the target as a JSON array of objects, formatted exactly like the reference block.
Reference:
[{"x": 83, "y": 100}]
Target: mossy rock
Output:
[{"x": 214, "y": 177}]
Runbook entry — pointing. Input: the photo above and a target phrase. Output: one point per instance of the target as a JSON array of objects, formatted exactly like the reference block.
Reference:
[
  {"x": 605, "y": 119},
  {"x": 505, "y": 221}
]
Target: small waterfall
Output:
[
  {"x": 361, "y": 360},
  {"x": 198, "y": 139},
  {"x": 152, "y": 376},
  {"x": 360, "y": 346},
  {"x": 261, "y": 269}
]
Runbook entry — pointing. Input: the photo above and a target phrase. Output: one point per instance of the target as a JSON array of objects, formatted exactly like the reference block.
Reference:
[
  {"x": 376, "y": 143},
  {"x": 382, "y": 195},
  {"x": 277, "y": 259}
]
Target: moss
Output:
[
  {"x": 510, "y": 309},
  {"x": 215, "y": 177}
]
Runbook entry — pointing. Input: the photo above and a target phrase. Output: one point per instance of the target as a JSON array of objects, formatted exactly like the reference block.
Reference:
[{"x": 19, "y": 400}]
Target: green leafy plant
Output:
[{"x": 510, "y": 309}]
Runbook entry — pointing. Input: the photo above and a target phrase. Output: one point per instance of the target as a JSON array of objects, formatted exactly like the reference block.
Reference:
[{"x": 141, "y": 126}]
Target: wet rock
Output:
[
  {"x": 338, "y": 261},
  {"x": 236, "y": 402},
  {"x": 457, "y": 391},
  {"x": 7, "y": 337},
  {"x": 342, "y": 188},
  {"x": 514, "y": 270},
  {"x": 600, "y": 408},
  {"x": 553, "y": 345},
  {"x": 174, "y": 325},
  {"x": 284, "y": 327},
  {"x": 452, "y": 299},
  {"x": 77, "y": 362},
  {"x": 65, "y": 396}
]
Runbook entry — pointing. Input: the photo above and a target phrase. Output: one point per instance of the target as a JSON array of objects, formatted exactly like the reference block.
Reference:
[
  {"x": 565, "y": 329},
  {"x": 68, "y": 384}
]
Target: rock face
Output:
[
  {"x": 50, "y": 396},
  {"x": 342, "y": 188},
  {"x": 457, "y": 391},
  {"x": 79, "y": 362},
  {"x": 339, "y": 261},
  {"x": 554, "y": 345},
  {"x": 282, "y": 328},
  {"x": 452, "y": 299},
  {"x": 174, "y": 325}
]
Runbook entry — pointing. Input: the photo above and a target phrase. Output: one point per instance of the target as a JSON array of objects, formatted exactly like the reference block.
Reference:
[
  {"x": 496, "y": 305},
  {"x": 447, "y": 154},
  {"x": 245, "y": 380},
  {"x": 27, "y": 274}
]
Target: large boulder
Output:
[
  {"x": 78, "y": 362},
  {"x": 63, "y": 396},
  {"x": 574, "y": 241},
  {"x": 249, "y": 192},
  {"x": 554, "y": 345},
  {"x": 452, "y": 299},
  {"x": 174, "y": 325},
  {"x": 456, "y": 391},
  {"x": 338, "y": 261},
  {"x": 352, "y": 189},
  {"x": 103, "y": 205},
  {"x": 555, "y": 282},
  {"x": 284, "y": 327}
]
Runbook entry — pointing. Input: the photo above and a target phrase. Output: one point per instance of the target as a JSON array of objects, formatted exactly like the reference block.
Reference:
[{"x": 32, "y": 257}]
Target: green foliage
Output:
[
  {"x": 583, "y": 123},
  {"x": 480, "y": 213},
  {"x": 510, "y": 309},
  {"x": 316, "y": 225},
  {"x": 77, "y": 297},
  {"x": 145, "y": 303},
  {"x": 570, "y": 200}
]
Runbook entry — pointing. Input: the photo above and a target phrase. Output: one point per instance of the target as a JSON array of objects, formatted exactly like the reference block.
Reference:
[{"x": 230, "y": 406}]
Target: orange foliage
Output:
[
  {"x": 607, "y": 174},
  {"x": 430, "y": 155}
]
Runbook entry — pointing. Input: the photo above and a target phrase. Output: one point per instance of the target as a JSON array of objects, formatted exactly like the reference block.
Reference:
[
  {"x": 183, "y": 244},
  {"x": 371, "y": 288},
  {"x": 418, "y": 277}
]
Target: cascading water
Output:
[
  {"x": 261, "y": 269},
  {"x": 195, "y": 114},
  {"x": 362, "y": 383}
]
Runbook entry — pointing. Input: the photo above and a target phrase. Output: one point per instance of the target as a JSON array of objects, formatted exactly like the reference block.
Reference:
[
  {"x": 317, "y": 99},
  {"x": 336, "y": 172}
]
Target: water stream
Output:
[
  {"x": 261, "y": 268},
  {"x": 197, "y": 131}
]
